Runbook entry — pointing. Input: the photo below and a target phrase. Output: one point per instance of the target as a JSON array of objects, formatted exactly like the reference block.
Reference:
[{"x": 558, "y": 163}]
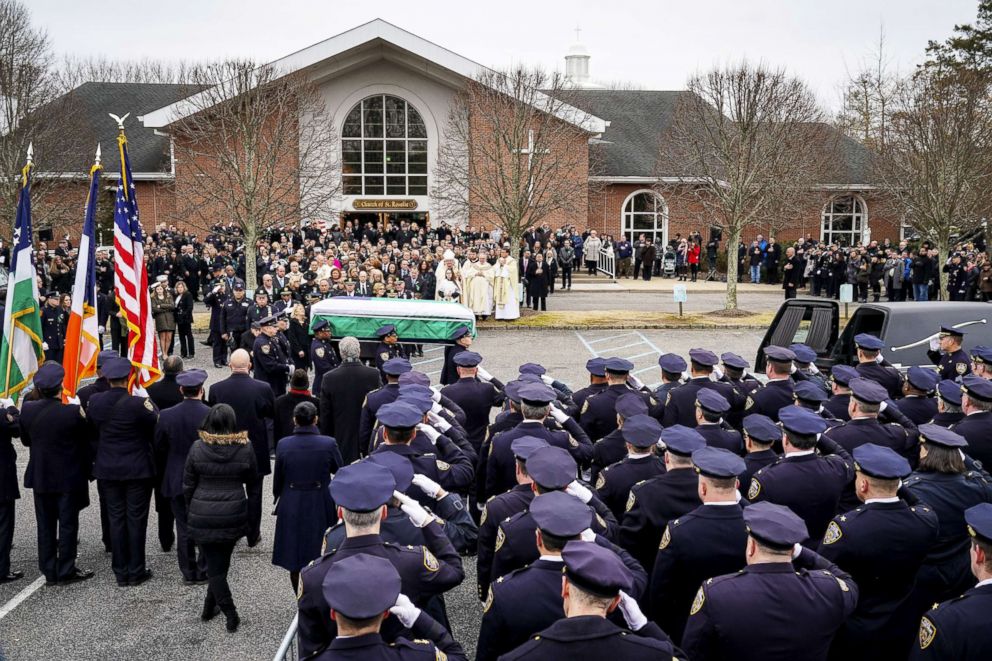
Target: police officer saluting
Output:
[
  {"x": 711, "y": 406},
  {"x": 234, "y": 316},
  {"x": 918, "y": 403},
  {"x": 976, "y": 427},
  {"x": 946, "y": 353},
  {"x": 322, "y": 354},
  {"x": 612, "y": 448},
  {"x": 640, "y": 436},
  {"x": 680, "y": 405},
  {"x": 462, "y": 338},
  {"x": 597, "y": 384},
  {"x": 760, "y": 433},
  {"x": 475, "y": 396},
  {"x": 871, "y": 366},
  {"x": 778, "y": 391},
  {"x": 57, "y": 435},
  {"x": 840, "y": 400},
  {"x": 270, "y": 360}
]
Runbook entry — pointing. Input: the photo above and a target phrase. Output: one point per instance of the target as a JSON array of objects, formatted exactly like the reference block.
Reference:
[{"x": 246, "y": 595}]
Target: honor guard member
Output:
[
  {"x": 564, "y": 395},
  {"x": 597, "y": 384},
  {"x": 56, "y": 435},
  {"x": 500, "y": 508},
  {"x": 450, "y": 434},
  {"x": 976, "y": 427},
  {"x": 673, "y": 366},
  {"x": 760, "y": 434},
  {"x": 946, "y": 353},
  {"x": 806, "y": 369},
  {"x": 596, "y": 582},
  {"x": 680, "y": 406},
  {"x": 612, "y": 448},
  {"x": 840, "y": 399},
  {"x": 393, "y": 368},
  {"x": 214, "y": 300},
  {"x": 125, "y": 465},
  {"x": 476, "y": 397},
  {"x": 810, "y": 396},
  {"x": 731, "y": 614},
  {"x": 177, "y": 429},
  {"x": 653, "y": 503},
  {"x": 777, "y": 393},
  {"x": 449, "y": 410},
  {"x": 462, "y": 338},
  {"x": 260, "y": 309},
  {"x": 360, "y": 591},
  {"x": 322, "y": 354},
  {"x": 388, "y": 347},
  {"x": 100, "y": 384},
  {"x": 703, "y": 543},
  {"x": 872, "y": 366},
  {"x": 53, "y": 324},
  {"x": 598, "y": 415},
  {"x": 981, "y": 361},
  {"x": 271, "y": 362},
  {"x": 918, "y": 402},
  {"x": 361, "y": 492},
  {"x": 496, "y": 468},
  {"x": 948, "y": 404},
  {"x": 959, "y": 628},
  {"x": 808, "y": 483},
  {"x": 640, "y": 435},
  {"x": 882, "y": 543},
  {"x": 711, "y": 406},
  {"x": 551, "y": 469},
  {"x": 944, "y": 481},
  {"x": 234, "y": 316},
  {"x": 735, "y": 373}
]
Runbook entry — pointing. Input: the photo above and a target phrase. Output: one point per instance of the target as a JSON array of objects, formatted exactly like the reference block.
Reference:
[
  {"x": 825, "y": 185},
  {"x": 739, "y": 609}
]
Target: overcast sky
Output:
[{"x": 653, "y": 44}]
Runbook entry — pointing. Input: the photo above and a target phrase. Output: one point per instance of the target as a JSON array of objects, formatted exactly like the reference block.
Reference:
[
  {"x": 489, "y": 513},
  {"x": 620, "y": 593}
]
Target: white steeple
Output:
[{"x": 577, "y": 64}]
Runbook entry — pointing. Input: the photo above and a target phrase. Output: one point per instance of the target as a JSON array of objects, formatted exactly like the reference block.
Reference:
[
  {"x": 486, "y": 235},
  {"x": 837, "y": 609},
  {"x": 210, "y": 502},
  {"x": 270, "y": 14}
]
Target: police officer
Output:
[
  {"x": 53, "y": 322},
  {"x": 100, "y": 384},
  {"x": 597, "y": 384},
  {"x": 946, "y": 353},
  {"x": 680, "y": 406},
  {"x": 703, "y": 543},
  {"x": 612, "y": 447},
  {"x": 393, "y": 368},
  {"x": 598, "y": 416},
  {"x": 806, "y": 369},
  {"x": 361, "y": 492},
  {"x": 840, "y": 399},
  {"x": 976, "y": 427},
  {"x": 731, "y": 613},
  {"x": 808, "y": 483},
  {"x": 360, "y": 589},
  {"x": 918, "y": 402},
  {"x": 653, "y": 503},
  {"x": 234, "y": 316},
  {"x": 177, "y": 429},
  {"x": 125, "y": 465},
  {"x": 882, "y": 543},
  {"x": 270, "y": 360},
  {"x": 260, "y": 309},
  {"x": 872, "y": 366},
  {"x": 388, "y": 347},
  {"x": 322, "y": 354},
  {"x": 640, "y": 434},
  {"x": 215, "y": 300},
  {"x": 760, "y": 434},
  {"x": 462, "y": 338},
  {"x": 476, "y": 397},
  {"x": 672, "y": 368},
  {"x": 711, "y": 406},
  {"x": 777, "y": 392},
  {"x": 948, "y": 404},
  {"x": 981, "y": 361},
  {"x": 285, "y": 302},
  {"x": 735, "y": 373},
  {"x": 959, "y": 628},
  {"x": 811, "y": 396},
  {"x": 596, "y": 581},
  {"x": 57, "y": 472}
]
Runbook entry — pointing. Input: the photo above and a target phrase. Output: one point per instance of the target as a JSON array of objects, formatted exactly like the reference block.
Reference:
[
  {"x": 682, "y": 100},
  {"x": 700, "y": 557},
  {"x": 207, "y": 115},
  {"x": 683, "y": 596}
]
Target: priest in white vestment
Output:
[
  {"x": 505, "y": 283},
  {"x": 477, "y": 284}
]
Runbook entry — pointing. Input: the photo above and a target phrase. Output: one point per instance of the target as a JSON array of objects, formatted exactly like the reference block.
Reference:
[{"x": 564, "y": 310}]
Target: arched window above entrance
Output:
[
  {"x": 384, "y": 148},
  {"x": 844, "y": 220},
  {"x": 645, "y": 212}
]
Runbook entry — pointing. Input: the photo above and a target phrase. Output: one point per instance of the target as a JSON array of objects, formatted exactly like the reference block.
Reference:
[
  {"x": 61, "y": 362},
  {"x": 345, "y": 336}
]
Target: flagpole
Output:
[{"x": 26, "y": 173}]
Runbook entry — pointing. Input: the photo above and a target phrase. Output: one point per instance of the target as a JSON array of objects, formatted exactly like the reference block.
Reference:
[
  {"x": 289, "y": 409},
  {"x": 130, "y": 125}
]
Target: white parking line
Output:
[
  {"x": 646, "y": 369},
  {"x": 649, "y": 343},
  {"x": 586, "y": 343},
  {"x": 434, "y": 349},
  {"x": 433, "y": 373},
  {"x": 21, "y": 596},
  {"x": 640, "y": 355},
  {"x": 612, "y": 349},
  {"x": 425, "y": 362},
  {"x": 604, "y": 339}
]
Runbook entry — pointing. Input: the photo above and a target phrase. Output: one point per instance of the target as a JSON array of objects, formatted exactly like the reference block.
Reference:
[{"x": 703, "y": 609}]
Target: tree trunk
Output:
[
  {"x": 733, "y": 241},
  {"x": 251, "y": 275},
  {"x": 942, "y": 241}
]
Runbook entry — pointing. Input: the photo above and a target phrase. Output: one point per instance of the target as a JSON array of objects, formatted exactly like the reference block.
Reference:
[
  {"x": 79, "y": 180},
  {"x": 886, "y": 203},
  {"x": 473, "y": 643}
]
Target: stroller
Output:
[{"x": 668, "y": 264}]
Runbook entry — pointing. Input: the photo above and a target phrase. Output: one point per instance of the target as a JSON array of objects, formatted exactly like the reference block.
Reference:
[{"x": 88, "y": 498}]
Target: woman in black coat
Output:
[
  {"x": 299, "y": 338},
  {"x": 538, "y": 281},
  {"x": 299, "y": 391},
  {"x": 220, "y": 466},
  {"x": 184, "y": 320}
]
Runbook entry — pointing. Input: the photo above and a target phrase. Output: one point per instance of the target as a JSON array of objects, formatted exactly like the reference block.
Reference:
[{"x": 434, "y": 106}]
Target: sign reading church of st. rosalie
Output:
[{"x": 384, "y": 204}]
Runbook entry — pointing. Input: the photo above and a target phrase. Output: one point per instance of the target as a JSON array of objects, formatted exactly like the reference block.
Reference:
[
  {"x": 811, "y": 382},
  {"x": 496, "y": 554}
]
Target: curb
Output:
[{"x": 621, "y": 326}]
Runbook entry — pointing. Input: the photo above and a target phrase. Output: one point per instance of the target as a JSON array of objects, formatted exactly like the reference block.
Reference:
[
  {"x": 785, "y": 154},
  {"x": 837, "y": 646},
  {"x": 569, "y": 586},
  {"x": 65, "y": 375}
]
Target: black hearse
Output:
[{"x": 906, "y": 329}]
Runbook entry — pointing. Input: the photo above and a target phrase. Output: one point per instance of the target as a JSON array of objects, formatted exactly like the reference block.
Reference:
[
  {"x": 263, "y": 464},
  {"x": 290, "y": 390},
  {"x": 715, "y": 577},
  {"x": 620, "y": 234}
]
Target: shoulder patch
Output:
[
  {"x": 439, "y": 655},
  {"x": 585, "y": 406},
  {"x": 754, "y": 489},
  {"x": 430, "y": 562},
  {"x": 384, "y": 355},
  {"x": 842, "y": 584},
  {"x": 319, "y": 351},
  {"x": 489, "y": 601},
  {"x": 927, "y": 632},
  {"x": 749, "y": 403},
  {"x": 500, "y": 538},
  {"x": 601, "y": 480},
  {"x": 630, "y": 501},
  {"x": 266, "y": 348},
  {"x": 149, "y": 405},
  {"x": 666, "y": 539},
  {"x": 442, "y": 465},
  {"x": 697, "y": 603},
  {"x": 833, "y": 533},
  {"x": 668, "y": 398},
  {"x": 485, "y": 514},
  {"x": 574, "y": 443},
  {"x": 961, "y": 368},
  {"x": 82, "y": 412}
]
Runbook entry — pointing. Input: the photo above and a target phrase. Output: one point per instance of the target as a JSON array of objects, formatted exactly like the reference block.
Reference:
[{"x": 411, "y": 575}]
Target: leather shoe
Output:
[
  {"x": 255, "y": 542},
  {"x": 141, "y": 578},
  {"x": 195, "y": 581},
  {"x": 12, "y": 576},
  {"x": 76, "y": 576}
]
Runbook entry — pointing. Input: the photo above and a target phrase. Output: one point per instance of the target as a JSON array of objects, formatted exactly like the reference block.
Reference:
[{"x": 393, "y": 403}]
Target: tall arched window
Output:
[
  {"x": 384, "y": 148},
  {"x": 645, "y": 212},
  {"x": 844, "y": 220}
]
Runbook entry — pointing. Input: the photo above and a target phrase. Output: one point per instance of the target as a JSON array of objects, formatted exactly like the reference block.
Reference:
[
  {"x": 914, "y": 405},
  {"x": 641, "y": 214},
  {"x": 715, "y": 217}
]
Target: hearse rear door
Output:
[{"x": 811, "y": 321}]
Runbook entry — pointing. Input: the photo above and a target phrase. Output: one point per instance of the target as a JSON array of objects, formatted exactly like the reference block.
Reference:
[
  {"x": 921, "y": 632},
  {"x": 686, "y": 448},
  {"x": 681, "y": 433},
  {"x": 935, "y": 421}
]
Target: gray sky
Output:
[{"x": 653, "y": 44}]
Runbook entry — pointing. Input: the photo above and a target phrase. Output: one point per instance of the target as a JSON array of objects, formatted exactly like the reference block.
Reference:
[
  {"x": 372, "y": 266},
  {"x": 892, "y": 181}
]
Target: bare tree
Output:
[
  {"x": 514, "y": 154},
  {"x": 71, "y": 72},
  {"x": 868, "y": 98},
  {"x": 254, "y": 147},
  {"x": 747, "y": 144}
]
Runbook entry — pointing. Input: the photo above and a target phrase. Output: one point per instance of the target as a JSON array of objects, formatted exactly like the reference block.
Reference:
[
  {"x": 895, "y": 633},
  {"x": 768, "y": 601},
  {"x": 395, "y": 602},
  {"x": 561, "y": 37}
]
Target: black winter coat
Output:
[{"x": 218, "y": 469}]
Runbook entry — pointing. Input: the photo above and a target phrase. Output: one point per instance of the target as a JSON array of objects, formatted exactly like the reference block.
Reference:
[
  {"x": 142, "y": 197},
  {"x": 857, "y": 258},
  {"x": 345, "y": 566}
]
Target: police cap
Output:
[
  {"x": 50, "y": 375},
  {"x": 761, "y": 428},
  {"x": 881, "y": 462},
  {"x": 930, "y": 433},
  {"x": 712, "y": 401},
  {"x": 681, "y": 440},
  {"x": 467, "y": 359},
  {"x": 804, "y": 354},
  {"x": 398, "y": 465},
  {"x": 596, "y": 366},
  {"x": 717, "y": 462},
  {"x": 191, "y": 378},
  {"x": 361, "y": 586},
  {"x": 399, "y": 415},
  {"x": 641, "y": 431},
  {"x": 559, "y": 514},
  {"x": 396, "y": 366},
  {"x": 363, "y": 486},
  {"x": 703, "y": 357},
  {"x": 672, "y": 362},
  {"x": 867, "y": 391},
  {"x": 551, "y": 467},
  {"x": 801, "y": 421},
  {"x": 922, "y": 378},
  {"x": 631, "y": 404},
  {"x": 595, "y": 569},
  {"x": 868, "y": 341},
  {"x": 774, "y": 525},
  {"x": 809, "y": 392}
]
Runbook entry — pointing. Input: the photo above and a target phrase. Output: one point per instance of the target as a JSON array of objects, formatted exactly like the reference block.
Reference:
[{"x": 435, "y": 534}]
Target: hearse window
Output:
[
  {"x": 865, "y": 320},
  {"x": 811, "y": 326}
]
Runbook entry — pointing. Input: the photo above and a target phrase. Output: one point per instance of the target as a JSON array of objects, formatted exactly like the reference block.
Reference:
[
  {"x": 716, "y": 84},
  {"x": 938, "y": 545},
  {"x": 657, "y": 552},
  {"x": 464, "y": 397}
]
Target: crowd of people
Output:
[{"x": 843, "y": 515}]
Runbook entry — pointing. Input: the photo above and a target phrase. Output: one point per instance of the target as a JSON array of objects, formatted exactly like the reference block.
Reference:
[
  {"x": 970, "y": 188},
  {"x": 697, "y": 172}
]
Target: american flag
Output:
[{"x": 131, "y": 279}]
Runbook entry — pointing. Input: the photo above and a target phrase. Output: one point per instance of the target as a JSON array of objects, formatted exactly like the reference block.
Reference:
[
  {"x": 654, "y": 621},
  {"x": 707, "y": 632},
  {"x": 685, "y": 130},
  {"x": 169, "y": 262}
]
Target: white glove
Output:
[
  {"x": 427, "y": 485},
  {"x": 405, "y": 611},
  {"x": 6, "y": 402},
  {"x": 418, "y": 515},
  {"x": 429, "y": 432},
  {"x": 814, "y": 370},
  {"x": 934, "y": 344},
  {"x": 547, "y": 379},
  {"x": 717, "y": 373},
  {"x": 44, "y": 345},
  {"x": 792, "y": 370},
  {"x": 559, "y": 415},
  {"x": 436, "y": 394},
  {"x": 632, "y": 614},
  {"x": 436, "y": 407},
  {"x": 484, "y": 375},
  {"x": 635, "y": 382},
  {"x": 71, "y": 400},
  {"x": 579, "y": 491},
  {"x": 883, "y": 406},
  {"x": 796, "y": 550},
  {"x": 879, "y": 358},
  {"x": 587, "y": 535},
  {"x": 101, "y": 330},
  {"x": 438, "y": 421}
]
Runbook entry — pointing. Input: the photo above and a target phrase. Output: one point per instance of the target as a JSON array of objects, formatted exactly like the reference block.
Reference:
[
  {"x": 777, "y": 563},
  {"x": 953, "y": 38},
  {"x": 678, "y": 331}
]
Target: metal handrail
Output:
[
  {"x": 287, "y": 648},
  {"x": 607, "y": 263}
]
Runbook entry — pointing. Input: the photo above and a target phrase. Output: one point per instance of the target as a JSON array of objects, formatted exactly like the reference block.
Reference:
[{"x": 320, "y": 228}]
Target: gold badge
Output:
[
  {"x": 430, "y": 562},
  {"x": 442, "y": 465},
  {"x": 601, "y": 481},
  {"x": 754, "y": 489},
  {"x": 668, "y": 397},
  {"x": 961, "y": 367},
  {"x": 266, "y": 349},
  {"x": 489, "y": 601},
  {"x": 384, "y": 355},
  {"x": 601, "y": 522},
  {"x": 319, "y": 351},
  {"x": 654, "y": 402},
  {"x": 833, "y": 533},
  {"x": 927, "y": 632},
  {"x": 750, "y": 403},
  {"x": 630, "y": 502},
  {"x": 500, "y": 538},
  {"x": 485, "y": 515},
  {"x": 697, "y": 603},
  {"x": 666, "y": 539},
  {"x": 439, "y": 655},
  {"x": 149, "y": 405}
]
